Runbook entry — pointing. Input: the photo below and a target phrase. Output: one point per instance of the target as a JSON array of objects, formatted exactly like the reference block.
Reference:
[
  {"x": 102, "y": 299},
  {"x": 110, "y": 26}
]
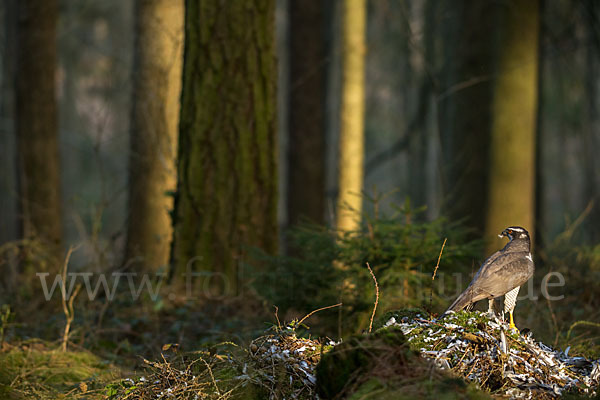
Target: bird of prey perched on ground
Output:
[{"x": 502, "y": 273}]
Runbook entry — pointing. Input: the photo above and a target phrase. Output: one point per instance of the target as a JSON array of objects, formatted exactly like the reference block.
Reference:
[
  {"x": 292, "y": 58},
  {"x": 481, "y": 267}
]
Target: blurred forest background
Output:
[{"x": 240, "y": 153}]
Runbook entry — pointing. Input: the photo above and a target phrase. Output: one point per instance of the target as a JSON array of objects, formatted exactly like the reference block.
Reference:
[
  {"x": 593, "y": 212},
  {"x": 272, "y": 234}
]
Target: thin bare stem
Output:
[
  {"x": 70, "y": 316},
  {"x": 584, "y": 323},
  {"x": 435, "y": 272},
  {"x": 64, "y": 277},
  {"x": 277, "y": 317},
  {"x": 438, "y": 261},
  {"x": 554, "y": 322},
  {"x": 67, "y": 303},
  {"x": 566, "y": 235},
  {"x": 376, "y": 298},
  {"x": 315, "y": 311}
]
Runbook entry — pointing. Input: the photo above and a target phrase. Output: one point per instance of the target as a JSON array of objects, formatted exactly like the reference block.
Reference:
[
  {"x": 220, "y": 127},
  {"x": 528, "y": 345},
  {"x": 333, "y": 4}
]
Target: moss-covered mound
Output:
[
  {"x": 483, "y": 350},
  {"x": 383, "y": 366}
]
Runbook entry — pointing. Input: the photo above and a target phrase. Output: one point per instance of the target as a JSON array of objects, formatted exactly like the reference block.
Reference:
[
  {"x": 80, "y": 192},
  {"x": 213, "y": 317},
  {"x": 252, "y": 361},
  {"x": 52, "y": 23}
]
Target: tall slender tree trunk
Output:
[
  {"x": 465, "y": 108},
  {"x": 351, "y": 169},
  {"x": 512, "y": 162},
  {"x": 37, "y": 126},
  {"x": 417, "y": 155},
  {"x": 154, "y": 123},
  {"x": 306, "y": 152},
  {"x": 227, "y": 174},
  {"x": 591, "y": 136},
  {"x": 8, "y": 165}
]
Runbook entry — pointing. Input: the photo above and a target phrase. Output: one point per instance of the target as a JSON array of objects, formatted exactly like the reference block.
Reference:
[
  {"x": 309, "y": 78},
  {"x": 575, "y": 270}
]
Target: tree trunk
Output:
[
  {"x": 227, "y": 176},
  {"x": 306, "y": 152},
  {"x": 349, "y": 203},
  {"x": 154, "y": 123},
  {"x": 8, "y": 164},
  {"x": 417, "y": 154},
  {"x": 465, "y": 109},
  {"x": 36, "y": 124},
  {"x": 591, "y": 135},
  {"x": 512, "y": 163}
]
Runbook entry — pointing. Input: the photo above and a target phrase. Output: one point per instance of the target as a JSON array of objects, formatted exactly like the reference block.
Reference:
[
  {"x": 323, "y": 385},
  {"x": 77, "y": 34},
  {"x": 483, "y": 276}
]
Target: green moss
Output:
[
  {"x": 456, "y": 388},
  {"x": 425, "y": 387},
  {"x": 463, "y": 324},
  {"x": 574, "y": 395},
  {"x": 381, "y": 365},
  {"x": 354, "y": 358},
  {"x": 36, "y": 372},
  {"x": 468, "y": 319},
  {"x": 371, "y": 389}
]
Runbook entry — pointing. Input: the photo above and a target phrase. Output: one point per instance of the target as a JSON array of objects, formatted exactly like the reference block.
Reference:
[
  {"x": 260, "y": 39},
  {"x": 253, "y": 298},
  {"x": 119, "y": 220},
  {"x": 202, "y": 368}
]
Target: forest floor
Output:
[
  {"x": 172, "y": 347},
  {"x": 465, "y": 355}
]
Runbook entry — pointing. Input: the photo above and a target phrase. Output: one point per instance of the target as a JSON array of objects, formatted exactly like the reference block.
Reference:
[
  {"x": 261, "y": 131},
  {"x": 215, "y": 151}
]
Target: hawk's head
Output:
[{"x": 515, "y": 232}]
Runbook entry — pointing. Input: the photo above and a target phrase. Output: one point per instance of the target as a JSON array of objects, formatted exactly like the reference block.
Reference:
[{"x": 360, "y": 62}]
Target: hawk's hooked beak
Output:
[{"x": 507, "y": 233}]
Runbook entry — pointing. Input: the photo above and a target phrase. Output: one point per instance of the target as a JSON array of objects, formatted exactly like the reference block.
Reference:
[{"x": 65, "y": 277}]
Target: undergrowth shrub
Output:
[
  {"x": 570, "y": 313},
  {"x": 400, "y": 246}
]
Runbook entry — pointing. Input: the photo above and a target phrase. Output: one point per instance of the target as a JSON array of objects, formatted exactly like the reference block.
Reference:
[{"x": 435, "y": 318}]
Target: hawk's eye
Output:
[{"x": 510, "y": 232}]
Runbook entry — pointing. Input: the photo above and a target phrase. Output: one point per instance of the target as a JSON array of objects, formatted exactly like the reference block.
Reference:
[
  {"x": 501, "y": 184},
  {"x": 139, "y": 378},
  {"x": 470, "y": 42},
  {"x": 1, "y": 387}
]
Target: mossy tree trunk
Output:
[
  {"x": 154, "y": 124},
  {"x": 306, "y": 152},
  {"x": 351, "y": 147},
  {"x": 37, "y": 125},
  {"x": 227, "y": 176},
  {"x": 512, "y": 169}
]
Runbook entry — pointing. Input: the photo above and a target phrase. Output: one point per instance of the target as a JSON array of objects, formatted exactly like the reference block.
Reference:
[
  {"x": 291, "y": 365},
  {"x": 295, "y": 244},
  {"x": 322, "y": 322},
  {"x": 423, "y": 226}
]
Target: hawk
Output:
[{"x": 502, "y": 273}]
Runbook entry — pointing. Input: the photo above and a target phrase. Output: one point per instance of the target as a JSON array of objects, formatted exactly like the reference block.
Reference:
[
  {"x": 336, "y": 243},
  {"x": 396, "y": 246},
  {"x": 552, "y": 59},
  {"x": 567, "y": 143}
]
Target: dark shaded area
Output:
[{"x": 308, "y": 61}]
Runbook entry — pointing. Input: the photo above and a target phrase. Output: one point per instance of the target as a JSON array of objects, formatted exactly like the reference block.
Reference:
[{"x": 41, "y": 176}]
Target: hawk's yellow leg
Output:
[{"x": 512, "y": 322}]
